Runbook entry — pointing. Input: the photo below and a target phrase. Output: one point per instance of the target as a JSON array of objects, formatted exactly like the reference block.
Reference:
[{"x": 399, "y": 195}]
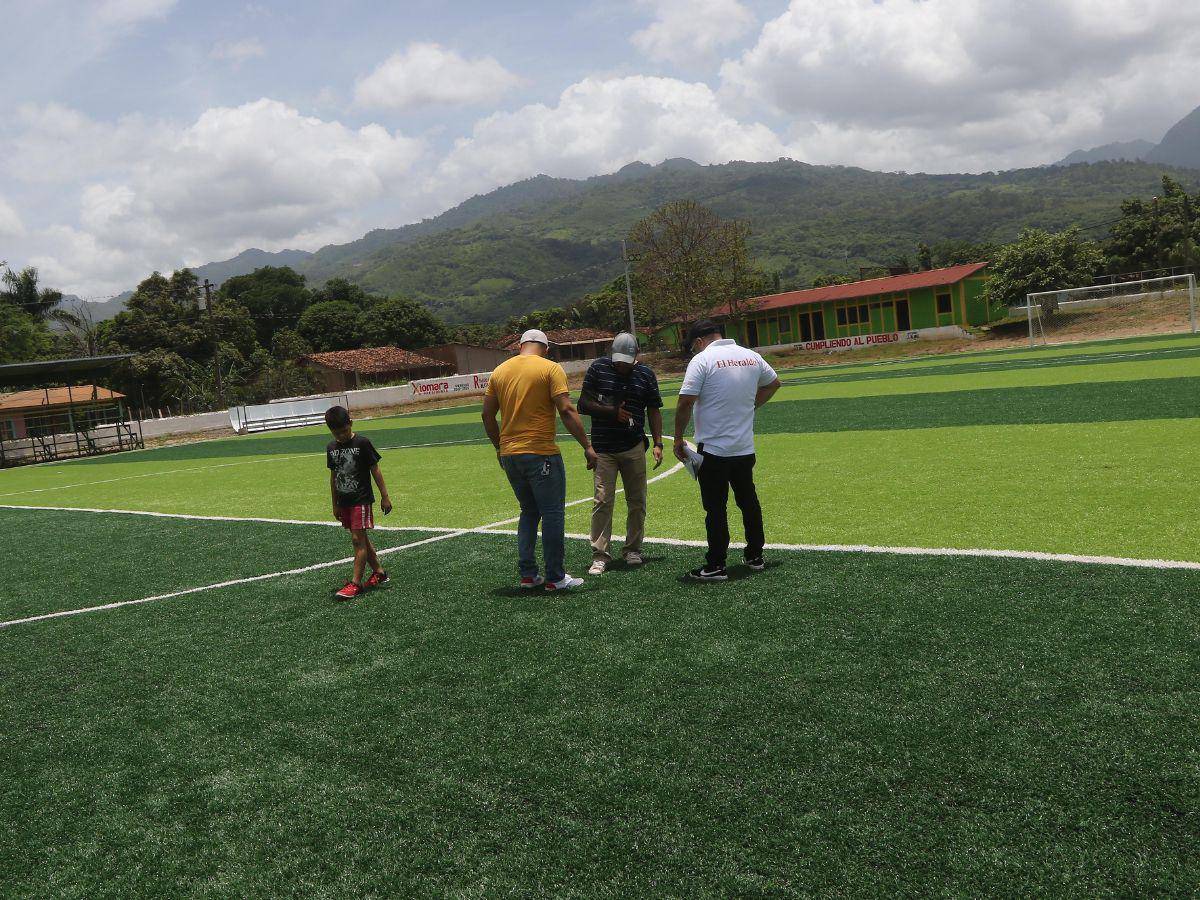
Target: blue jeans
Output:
[{"x": 540, "y": 483}]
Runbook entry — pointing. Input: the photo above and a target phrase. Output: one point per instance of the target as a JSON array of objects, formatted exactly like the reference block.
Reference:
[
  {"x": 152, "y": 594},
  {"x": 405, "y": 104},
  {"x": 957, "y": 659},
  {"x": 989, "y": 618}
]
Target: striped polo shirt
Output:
[{"x": 638, "y": 392}]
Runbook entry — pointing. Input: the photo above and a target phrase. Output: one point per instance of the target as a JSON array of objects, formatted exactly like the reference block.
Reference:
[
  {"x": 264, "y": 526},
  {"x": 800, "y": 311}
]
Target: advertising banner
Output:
[
  {"x": 858, "y": 341},
  {"x": 452, "y": 385}
]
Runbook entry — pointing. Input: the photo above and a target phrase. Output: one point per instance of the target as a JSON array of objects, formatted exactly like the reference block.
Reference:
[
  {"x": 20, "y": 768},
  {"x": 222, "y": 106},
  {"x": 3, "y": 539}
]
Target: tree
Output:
[
  {"x": 276, "y": 297},
  {"x": 924, "y": 257},
  {"x": 831, "y": 279},
  {"x": 339, "y": 290},
  {"x": 1040, "y": 261},
  {"x": 22, "y": 291},
  {"x": 154, "y": 320},
  {"x": 288, "y": 346},
  {"x": 1153, "y": 234},
  {"x": 22, "y": 337},
  {"x": 481, "y": 335},
  {"x": 81, "y": 331},
  {"x": 331, "y": 326},
  {"x": 399, "y": 322},
  {"x": 687, "y": 261},
  {"x": 958, "y": 253}
]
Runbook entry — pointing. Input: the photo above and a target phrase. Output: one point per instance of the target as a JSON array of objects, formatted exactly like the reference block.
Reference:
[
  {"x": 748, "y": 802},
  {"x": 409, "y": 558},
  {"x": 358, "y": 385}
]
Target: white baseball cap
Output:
[{"x": 534, "y": 335}]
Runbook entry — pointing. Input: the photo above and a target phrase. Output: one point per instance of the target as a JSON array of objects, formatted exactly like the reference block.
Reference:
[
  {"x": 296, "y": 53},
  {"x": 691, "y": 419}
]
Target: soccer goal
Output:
[{"x": 1148, "y": 306}]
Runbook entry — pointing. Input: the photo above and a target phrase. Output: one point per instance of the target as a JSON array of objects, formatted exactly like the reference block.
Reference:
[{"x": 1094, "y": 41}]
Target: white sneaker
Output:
[
  {"x": 528, "y": 584},
  {"x": 568, "y": 583},
  {"x": 597, "y": 567},
  {"x": 633, "y": 558}
]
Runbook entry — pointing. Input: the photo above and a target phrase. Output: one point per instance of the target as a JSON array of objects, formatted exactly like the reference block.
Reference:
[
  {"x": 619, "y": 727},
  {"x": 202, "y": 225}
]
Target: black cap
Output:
[{"x": 702, "y": 328}]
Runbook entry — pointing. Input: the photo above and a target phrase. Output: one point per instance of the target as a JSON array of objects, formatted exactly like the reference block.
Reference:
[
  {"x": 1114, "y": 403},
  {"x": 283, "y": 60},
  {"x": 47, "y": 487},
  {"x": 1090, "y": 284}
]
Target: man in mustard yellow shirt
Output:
[{"x": 527, "y": 391}]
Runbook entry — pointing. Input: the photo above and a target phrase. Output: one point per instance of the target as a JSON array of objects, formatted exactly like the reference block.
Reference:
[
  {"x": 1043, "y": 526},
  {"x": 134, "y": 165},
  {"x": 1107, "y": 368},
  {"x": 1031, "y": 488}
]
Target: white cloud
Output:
[
  {"x": 10, "y": 223},
  {"x": 260, "y": 174},
  {"x": 689, "y": 32},
  {"x": 600, "y": 125},
  {"x": 123, "y": 13},
  {"x": 429, "y": 75},
  {"x": 237, "y": 52},
  {"x": 982, "y": 83}
]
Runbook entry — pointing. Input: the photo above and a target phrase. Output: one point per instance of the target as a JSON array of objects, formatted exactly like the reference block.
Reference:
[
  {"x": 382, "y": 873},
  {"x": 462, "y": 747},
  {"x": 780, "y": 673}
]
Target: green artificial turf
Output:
[
  {"x": 1116, "y": 488},
  {"x": 840, "y": 724},
  {"x": 97, "y": 558},
  {"x": 1100, "y": 401}
]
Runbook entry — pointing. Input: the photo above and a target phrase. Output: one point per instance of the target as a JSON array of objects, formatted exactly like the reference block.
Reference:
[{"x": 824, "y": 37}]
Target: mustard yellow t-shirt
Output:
[{"x": 525, "y": 386}]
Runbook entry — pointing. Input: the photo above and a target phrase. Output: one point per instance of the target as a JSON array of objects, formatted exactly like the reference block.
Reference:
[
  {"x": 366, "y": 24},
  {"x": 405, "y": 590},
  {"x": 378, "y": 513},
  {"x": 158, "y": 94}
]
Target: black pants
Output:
[{"x": 717, "y": 475}]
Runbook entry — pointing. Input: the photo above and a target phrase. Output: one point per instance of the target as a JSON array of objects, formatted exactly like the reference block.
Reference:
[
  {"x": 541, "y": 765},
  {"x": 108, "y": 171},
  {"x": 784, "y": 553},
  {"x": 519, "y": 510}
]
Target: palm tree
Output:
[{"x": 21, "y": 289}]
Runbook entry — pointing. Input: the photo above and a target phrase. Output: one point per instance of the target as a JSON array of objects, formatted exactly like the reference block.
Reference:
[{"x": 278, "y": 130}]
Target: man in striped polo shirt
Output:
[{"x": 620, "y": 393}]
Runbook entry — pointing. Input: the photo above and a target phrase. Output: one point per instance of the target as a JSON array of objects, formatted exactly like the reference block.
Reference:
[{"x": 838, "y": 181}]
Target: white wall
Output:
[{"x": 186, "y": 424}]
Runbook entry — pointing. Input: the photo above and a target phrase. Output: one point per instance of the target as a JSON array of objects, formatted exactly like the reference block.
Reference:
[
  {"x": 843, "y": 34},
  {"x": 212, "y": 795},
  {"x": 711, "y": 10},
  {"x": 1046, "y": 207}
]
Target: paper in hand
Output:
[{"x": 693, "y": 462}]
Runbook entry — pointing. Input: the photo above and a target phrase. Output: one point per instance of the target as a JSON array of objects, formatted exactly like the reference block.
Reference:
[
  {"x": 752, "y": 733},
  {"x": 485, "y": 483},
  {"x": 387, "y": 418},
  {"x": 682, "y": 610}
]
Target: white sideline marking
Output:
[
  {"x": 167, "y": 515},
  {"x": 330, "y": 524},
  {"x": 912, "y": 551},
  {"x": 222, "y": 584},
  {"x": 243, "y": 462},
  {"x": 1039, "y": 362}
]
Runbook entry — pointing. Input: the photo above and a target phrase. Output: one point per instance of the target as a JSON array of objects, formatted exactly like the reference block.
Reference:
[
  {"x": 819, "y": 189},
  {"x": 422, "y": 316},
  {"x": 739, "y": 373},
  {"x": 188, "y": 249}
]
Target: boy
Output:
[{"x": 353, "y": 461}]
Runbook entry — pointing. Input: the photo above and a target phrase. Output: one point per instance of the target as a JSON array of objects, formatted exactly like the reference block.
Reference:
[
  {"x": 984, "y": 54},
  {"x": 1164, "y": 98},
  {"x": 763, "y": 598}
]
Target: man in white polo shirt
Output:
[{"x": 722, "y": 388}]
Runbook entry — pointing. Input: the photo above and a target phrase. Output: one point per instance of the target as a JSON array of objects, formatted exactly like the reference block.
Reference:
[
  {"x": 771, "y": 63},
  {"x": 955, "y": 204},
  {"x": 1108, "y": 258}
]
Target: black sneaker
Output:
[
  {"x": 757, "y": 564},
  {"x": 708, "y": 573}
]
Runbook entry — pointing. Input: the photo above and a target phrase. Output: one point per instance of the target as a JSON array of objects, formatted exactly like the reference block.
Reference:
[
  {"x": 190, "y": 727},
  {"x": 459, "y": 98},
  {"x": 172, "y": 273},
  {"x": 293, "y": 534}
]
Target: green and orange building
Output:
[{"x": 896, "y": 308}]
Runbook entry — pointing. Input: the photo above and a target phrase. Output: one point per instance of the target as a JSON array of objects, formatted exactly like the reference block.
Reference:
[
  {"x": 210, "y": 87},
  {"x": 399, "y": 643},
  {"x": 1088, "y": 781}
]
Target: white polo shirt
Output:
[{"x": 724, "y": 378}]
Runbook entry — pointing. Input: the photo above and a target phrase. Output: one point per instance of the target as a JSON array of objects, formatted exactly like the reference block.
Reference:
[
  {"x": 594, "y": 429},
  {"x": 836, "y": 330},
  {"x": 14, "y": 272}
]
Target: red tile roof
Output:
[
  {"x": 563, "y": 336},
  {"x": 869, "y": 288},
  {"x": 375, "y": 360},
  {"x": 78, "y": 394}
]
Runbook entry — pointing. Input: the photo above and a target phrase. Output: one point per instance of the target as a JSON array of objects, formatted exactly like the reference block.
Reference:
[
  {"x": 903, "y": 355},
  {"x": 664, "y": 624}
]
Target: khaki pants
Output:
[{"x": 632, "y": 466}]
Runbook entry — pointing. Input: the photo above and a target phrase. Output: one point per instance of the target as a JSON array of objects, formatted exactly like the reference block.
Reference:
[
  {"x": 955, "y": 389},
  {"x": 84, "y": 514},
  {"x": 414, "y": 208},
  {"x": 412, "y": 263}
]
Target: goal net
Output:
[{"x": 1148, "y": 306}]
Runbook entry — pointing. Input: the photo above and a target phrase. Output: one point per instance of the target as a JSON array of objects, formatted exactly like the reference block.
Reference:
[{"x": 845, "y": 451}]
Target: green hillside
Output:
[{"x": 545, "y": 242}]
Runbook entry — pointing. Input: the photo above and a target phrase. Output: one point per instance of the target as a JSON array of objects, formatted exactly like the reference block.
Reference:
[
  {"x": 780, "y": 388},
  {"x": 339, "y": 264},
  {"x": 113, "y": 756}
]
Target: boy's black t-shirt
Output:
[{"x": 351, "y": 464}]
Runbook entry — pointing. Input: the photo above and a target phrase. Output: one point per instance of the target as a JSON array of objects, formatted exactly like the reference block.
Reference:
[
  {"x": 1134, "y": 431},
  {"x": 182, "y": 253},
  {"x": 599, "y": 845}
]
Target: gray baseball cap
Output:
[{"x": 624, "y": 348}]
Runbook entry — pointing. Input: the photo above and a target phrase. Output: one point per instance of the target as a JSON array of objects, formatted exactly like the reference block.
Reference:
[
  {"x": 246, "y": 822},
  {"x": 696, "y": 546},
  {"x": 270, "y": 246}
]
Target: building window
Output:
[
  {"x": 841, "y": 317},
  {"x": 785, "y": 326},
  {"x": 944, "y": 305},
  {"x": 864, "y": 314},
  {"x": 8, "y": 430}
]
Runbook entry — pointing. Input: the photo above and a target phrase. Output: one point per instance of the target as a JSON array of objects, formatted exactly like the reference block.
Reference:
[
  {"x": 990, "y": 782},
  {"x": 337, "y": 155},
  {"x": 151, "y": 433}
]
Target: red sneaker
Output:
[
  {"x": 376, "y": 579},
  {"x": 350, "y": 591}
]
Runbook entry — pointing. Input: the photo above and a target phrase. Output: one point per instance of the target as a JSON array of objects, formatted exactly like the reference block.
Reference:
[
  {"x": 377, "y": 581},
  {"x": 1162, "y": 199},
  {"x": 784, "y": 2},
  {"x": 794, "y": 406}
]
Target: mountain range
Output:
[
  {"x": 1179, "y": 147},
  {"x": 548, "y": 241}
]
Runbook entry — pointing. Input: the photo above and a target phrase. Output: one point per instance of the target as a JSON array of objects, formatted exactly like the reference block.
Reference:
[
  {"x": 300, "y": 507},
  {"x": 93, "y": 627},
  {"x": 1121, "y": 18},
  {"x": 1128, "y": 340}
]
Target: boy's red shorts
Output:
[{"x": 357, "y": 518}]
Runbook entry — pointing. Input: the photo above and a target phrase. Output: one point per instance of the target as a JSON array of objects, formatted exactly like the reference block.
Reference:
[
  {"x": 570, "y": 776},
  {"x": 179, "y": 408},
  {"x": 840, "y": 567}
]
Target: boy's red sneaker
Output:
[
  {"x": 350, "y": 591},
  {"x": 376, "y": 579}
]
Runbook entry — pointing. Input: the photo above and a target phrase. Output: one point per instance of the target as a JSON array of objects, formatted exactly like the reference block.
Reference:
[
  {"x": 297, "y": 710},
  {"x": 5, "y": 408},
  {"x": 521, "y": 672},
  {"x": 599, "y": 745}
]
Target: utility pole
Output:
[
  {"x": 208, "y": 286},
  {"x": 628, "y": 290}
]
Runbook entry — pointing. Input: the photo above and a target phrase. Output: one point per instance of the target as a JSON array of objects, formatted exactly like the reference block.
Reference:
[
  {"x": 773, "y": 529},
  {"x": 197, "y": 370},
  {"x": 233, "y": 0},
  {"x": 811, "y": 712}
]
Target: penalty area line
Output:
[{"x": 233, "y": 582}]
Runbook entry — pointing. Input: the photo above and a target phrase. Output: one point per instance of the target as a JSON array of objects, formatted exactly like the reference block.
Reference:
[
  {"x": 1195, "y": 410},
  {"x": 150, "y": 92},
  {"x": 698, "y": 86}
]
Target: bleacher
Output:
[{"x": 283, "y": 413}]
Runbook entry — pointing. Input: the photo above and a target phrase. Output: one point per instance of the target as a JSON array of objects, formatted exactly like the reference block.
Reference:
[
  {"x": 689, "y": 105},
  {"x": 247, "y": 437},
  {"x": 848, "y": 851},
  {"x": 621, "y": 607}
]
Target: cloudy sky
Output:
[{"x": 150, "y": 134}]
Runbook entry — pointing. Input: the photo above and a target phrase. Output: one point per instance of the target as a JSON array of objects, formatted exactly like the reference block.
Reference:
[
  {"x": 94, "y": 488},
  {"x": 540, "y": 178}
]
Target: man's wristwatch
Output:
[{"x": 658, "y": 444}]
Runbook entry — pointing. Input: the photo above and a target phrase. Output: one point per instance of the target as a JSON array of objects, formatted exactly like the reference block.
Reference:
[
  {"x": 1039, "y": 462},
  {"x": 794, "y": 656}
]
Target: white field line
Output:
[
  {"x": 1016, "y": 364},
  {"x": 167, "y": 515},
  {"x": 223, "y": 584},
  {"x": 910, "y": 551},
  {"x": 244, "y": 462},
  {"x": 621, "y": 490},
  {"x": 269, "y": 521},
  {"x": 440, "y": 534}
]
